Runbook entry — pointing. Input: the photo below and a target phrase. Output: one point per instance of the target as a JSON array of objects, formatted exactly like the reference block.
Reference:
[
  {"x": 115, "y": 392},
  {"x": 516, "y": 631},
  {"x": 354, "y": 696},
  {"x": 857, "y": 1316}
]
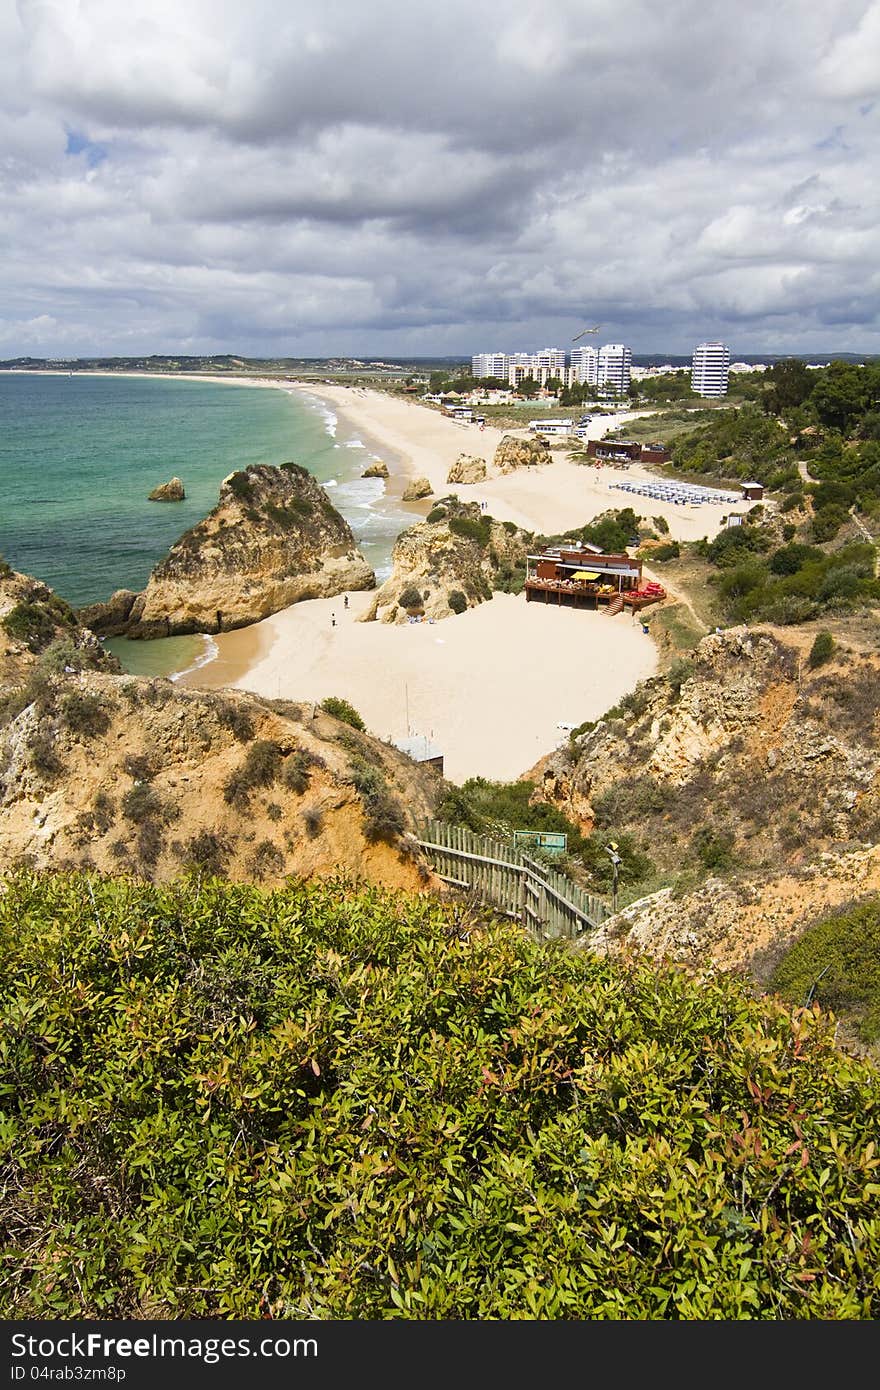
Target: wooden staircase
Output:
[{"x": 614, "y": 606}]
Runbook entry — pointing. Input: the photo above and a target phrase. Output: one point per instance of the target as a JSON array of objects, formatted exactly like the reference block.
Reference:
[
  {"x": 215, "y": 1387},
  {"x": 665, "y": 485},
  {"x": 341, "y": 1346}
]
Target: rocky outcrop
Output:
[
  {"x": 417, "y": 490},
  {"x": 172, "y": 491},
  {"x": 741, "y": 925},
  {"x": 467, "y": 469},
  {"x": 112, "y": 772},
  {"x": 462, "y": 554},
  {"x": 376, "y": 470},
  {"x": 273, "y": 539},
  {"x": 113, "y": 618},
  {"x": 520, "y": 453},
  {"x": 738, "y": 756},
  {"x": 39, "y": 630}
]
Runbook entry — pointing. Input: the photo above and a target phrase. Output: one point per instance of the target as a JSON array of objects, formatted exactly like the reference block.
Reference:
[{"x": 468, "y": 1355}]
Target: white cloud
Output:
[{"x": 290, "y": 178}]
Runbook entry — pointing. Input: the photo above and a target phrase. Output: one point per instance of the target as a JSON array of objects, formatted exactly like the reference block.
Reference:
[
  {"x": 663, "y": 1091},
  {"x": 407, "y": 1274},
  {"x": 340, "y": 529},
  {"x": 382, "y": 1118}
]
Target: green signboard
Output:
[{"x": 552, "y": 841}]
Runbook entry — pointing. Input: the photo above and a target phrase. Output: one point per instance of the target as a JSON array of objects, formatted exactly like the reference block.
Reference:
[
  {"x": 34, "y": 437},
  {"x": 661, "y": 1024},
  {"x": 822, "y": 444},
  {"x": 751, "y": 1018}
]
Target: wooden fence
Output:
[{"x": 546, "y": 903}]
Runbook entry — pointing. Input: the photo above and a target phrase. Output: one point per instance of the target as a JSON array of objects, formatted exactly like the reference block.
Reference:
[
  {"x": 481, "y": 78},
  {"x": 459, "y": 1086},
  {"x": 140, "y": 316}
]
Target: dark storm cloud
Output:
[{"x": 308, "y": 179}]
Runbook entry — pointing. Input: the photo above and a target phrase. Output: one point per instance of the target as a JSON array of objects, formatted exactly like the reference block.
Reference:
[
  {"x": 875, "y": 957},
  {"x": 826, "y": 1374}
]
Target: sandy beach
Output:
[
  {"x": 549, "y": 499},
  {"x": 494, "y": 687}
]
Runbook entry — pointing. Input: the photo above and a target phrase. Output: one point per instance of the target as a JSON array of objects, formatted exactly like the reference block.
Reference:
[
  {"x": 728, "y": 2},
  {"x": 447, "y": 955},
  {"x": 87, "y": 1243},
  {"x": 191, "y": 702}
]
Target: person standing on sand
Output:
[
  {"x": 345, "y": 601},
  {"x": 332, "y": 619}
]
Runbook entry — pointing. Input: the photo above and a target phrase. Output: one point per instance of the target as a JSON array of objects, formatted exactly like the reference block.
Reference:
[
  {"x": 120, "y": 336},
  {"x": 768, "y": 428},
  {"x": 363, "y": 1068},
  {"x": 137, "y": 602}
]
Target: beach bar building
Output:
[{"x": 581, "y": 576}]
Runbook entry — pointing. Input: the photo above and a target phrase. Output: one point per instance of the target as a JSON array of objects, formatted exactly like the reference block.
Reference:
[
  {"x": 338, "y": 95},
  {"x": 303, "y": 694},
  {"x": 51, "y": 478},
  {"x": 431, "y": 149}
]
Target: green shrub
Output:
[
  {"x": 296, "y": 774},
  {"x": 237, "y": 719},
  {"x": 43, "y": 757},
  {"x": 436, "y": 514},
  {"x": 671, "y": 551},
  {"x": 240, "y": 486},
  {"x": 661, "y": 525},
  {"x": 85, "y": 713},
  {"x": 341, "y": 709},
  {"x": 30, "y": 624},
  {"x": 836, "y": 963},
  {"x": 477, "y": 529},
  {"x": 207, "y": 852},
  {"x": 140, "y": 803},
  {"x": 822, "y": 649},
  {"x": 457, "y": 600},
  {"x": 438, "y": 1118}
]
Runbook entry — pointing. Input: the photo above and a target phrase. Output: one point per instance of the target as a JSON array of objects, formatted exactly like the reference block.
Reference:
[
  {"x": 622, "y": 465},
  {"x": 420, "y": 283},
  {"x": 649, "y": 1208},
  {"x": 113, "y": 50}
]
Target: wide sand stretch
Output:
[{"x": 494, "y": 687}]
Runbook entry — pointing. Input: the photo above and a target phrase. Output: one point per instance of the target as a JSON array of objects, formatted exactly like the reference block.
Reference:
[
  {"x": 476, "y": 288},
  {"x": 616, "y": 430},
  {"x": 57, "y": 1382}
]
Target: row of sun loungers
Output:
[{"x": 682, "y": 494}]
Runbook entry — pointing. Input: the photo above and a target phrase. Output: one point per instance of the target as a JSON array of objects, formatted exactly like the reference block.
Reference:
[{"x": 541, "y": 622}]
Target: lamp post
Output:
[{"x": 611, "y": 851}]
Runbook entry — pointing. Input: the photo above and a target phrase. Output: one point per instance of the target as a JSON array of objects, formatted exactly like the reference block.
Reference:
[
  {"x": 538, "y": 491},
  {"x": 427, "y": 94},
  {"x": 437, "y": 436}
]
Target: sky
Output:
[{"x": 366, "y": 178}]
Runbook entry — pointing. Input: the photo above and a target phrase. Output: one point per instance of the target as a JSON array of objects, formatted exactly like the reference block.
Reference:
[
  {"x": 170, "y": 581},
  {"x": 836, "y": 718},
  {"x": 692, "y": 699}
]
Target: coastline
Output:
[{"x": 497, "y": 687}]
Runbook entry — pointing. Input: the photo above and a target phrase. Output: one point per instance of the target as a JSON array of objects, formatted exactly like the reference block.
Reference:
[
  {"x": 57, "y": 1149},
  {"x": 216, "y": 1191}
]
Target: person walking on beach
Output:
[
  {"x": 345, "y": 601},
  {"x": 332, "y": 619}
]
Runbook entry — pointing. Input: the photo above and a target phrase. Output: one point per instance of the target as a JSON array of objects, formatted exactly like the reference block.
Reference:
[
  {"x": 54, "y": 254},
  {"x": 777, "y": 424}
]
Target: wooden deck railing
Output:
[{"x": 544, "y": 901}]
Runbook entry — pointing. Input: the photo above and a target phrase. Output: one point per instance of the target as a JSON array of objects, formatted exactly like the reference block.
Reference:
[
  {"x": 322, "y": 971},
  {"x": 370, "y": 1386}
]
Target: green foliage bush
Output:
[
  {"x": 410, "y": 598},
  {"x": 457, "y": 600},
  {"x": 85, "y": 713},
  {"x": 837, "y": 963},
  {"x": 140, "y": 803},
  {"x": 240, "y": 486},
  {"x": 341, "y": 709},
  {"x": 325, "y": 1103},
  {"x": 31, "y": 624},
  {"x": 670, "y": 551},
  {"x": 478, "y": 528},
  {"x": 822, "y": 649}
]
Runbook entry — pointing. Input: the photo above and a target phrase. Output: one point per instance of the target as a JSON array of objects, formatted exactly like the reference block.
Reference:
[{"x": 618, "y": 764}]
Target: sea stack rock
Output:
[
  {"x": 274, "y": 538},
  {"x": 520, "y": 453},
  {"x": 467, "y": 469},
  {"x": 451, "y": 563},
  {"x": 172, "y": 491},
  {"x": 376, "y": 470},
  {"x": 417, "y": 490}
]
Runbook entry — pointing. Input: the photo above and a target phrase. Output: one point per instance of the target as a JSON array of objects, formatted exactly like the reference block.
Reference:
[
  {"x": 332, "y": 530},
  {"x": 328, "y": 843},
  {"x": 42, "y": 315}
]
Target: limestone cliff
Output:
[
  {"x": 780, "y": 761},
  {"x": 127, "y": 775},
  {"x": 273, "y": 539},
  {"x": 38, "y": 630},
  {"x": 460, "y": 551},
  {"x": 520, "y": 453}
]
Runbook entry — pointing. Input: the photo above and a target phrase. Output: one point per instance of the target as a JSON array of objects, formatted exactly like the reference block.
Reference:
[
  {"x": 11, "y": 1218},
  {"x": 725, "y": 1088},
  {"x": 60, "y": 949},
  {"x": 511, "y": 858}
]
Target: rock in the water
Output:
[
  {"x": 376, "y": 470},
  {"x": 467, "y": 469},
  {"x": 274, "y": 538},
  {"x": 417, "y": 490},
  {"x": 113, "y": 618},
  {"x": 172, "y": 491},
  {"x": 520, "y": 453}
]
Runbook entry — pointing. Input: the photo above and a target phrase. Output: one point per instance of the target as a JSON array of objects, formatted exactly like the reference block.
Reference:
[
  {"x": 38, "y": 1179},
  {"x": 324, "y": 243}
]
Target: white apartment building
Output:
[
  {"x": 607, "y": 368},
  {"x": 710, "y": 368},
  {"x": 614, "y": 368},
  {"x": 490, "y": 364},
  {"x": 584, "y": 366}
]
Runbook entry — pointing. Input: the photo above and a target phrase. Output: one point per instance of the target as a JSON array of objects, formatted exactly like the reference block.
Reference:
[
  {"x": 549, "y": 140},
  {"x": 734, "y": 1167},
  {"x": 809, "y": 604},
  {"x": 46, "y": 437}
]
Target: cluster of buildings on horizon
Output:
[{"x": 608, "y": 368}]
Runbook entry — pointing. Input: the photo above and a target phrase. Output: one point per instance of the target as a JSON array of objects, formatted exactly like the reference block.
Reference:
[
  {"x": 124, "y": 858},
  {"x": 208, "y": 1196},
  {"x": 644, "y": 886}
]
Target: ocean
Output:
[{"x": 79, "y": 454}]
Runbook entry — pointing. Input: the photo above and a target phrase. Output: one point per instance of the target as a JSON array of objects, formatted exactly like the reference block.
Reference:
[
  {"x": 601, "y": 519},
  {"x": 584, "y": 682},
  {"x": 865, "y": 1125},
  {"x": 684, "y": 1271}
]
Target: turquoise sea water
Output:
[{"x": 79, "y": 454}]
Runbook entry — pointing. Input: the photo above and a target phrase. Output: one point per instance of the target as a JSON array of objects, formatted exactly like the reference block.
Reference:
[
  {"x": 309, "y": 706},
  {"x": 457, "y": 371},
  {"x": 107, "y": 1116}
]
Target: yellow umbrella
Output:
[{"x": 585, "y": 574}]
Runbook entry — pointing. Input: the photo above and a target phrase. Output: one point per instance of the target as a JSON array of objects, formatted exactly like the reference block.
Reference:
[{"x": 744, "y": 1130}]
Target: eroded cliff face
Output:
[
  {"x": 462, "y": 552},
  {"x": 273, "y": 539},
  {"x": 39, "y": 628},
  {"x": 742, "y": 742},
  {"x": 751, "y": 782},
  {"x": 129, "y": 775}
]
